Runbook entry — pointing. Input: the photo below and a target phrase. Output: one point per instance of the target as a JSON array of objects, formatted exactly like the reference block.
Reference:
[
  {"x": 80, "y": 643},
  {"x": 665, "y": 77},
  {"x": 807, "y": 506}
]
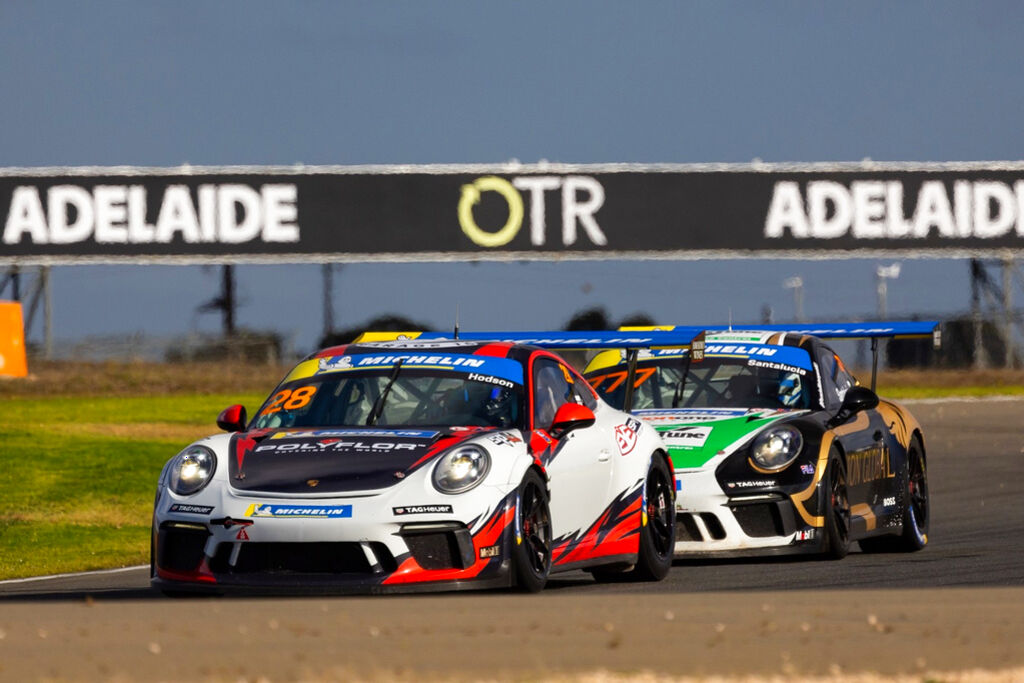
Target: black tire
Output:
[
  {"x": 657, "y": 535},
  {"x": 531, "y": 551},
  {"x": 916, "y": 509},
  {"x": 836, "y": 505}
]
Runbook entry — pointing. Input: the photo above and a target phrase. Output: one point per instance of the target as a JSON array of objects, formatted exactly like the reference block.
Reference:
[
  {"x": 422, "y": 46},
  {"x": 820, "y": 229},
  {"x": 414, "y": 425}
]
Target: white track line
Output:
[
  {"x": 961, "y": 399},
  {"x": 74, "y": 574}
]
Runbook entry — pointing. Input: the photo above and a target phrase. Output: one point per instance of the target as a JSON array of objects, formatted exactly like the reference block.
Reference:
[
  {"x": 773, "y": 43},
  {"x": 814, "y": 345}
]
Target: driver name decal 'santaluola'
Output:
[
  {"x": 785, "y": 358},
  {"x": 481, "y": 366}
]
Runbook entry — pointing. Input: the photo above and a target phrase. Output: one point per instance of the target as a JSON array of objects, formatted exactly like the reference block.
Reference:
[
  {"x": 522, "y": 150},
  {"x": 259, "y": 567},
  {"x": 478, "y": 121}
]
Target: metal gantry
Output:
[{"x": 993, "y": 300}]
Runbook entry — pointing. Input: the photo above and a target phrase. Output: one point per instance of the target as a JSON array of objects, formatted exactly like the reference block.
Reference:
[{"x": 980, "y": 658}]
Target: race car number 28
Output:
[{"x": 291, "y": 399}]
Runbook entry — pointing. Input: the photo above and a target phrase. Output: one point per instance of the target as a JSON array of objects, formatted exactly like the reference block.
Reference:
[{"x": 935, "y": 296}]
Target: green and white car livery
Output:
[{"x": 775, "y": 446}]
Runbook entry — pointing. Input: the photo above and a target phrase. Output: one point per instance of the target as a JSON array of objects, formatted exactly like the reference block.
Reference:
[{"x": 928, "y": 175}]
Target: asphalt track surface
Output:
[{"x": 958, "y": 604}]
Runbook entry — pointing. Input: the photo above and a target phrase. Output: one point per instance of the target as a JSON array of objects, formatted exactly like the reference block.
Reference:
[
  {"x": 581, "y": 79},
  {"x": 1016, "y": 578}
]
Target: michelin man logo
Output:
[{"x": 335, "y": 363}]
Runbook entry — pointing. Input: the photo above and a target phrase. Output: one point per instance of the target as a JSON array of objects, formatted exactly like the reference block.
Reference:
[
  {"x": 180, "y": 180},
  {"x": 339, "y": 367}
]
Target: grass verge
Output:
[
  {"x": 911, "y": 384},
  {"x": 78, "y": 475}
]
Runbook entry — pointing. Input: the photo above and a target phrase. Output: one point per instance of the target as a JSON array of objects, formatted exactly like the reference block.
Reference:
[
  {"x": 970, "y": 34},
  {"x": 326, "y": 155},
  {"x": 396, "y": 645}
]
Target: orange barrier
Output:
[{"x": 12, "y": 341}]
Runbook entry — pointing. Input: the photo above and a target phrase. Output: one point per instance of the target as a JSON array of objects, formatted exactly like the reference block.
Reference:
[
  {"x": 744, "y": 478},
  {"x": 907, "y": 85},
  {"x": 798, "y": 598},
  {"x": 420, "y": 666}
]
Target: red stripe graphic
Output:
[{"x": 411, "y": 572}]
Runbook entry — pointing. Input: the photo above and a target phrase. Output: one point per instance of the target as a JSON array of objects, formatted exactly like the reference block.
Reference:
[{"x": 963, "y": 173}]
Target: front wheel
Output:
[
  {"x": 532, "y": 550},
  {"x": 657, "y": 529},
  {"x": 837, "y": 508}
]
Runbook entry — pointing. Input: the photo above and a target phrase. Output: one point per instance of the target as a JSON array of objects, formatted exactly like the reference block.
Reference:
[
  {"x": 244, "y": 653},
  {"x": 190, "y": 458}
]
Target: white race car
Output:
[{"x": 417, "y": 465}]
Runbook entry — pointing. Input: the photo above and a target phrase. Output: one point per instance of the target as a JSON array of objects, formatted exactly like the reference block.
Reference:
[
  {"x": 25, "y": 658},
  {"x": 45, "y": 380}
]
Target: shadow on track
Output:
[{"x": 81, "y": 595}]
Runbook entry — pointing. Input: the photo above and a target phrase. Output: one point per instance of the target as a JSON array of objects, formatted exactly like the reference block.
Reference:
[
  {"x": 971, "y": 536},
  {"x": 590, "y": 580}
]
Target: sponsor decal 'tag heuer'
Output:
[
  {"x": 422, "y": 510},
  {"x": 191, "y": 509}
]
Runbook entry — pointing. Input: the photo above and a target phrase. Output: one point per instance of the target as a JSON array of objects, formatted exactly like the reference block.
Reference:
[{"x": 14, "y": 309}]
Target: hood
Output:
[
  {"x": 696, "y": 435},
  {"x": 333, "y": 460}
]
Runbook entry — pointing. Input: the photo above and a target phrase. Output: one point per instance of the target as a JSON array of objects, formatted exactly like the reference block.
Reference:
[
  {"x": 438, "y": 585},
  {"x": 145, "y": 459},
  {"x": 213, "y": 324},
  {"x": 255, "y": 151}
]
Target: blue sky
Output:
[{"x": 162, "y": 84}]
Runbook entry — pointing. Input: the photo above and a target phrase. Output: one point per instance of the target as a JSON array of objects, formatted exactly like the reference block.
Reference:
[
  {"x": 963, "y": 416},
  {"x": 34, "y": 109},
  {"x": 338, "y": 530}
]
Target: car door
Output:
[
  {"x": 868, "y": 444},
  {"x": 579, "y": 465}
]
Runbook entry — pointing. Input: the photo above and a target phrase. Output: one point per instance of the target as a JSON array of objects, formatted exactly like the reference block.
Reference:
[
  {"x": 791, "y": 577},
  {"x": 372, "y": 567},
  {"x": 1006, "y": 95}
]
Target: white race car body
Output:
[
  {"x": 358, "y": 508},
  {"x": 709, "y": 510}
]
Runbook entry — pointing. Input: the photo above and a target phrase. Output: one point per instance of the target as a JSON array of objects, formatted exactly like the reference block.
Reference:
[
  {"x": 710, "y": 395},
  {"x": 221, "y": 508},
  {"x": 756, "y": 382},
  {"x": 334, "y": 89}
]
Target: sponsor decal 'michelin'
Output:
[{"x": 311, "y": 511}]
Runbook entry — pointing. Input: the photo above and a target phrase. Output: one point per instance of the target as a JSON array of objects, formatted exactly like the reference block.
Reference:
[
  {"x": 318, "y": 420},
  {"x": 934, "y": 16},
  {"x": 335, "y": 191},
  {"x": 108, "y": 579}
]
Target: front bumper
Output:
[
  {"x": 711, "y": 523},
  {"x": 362, "y": 544}
]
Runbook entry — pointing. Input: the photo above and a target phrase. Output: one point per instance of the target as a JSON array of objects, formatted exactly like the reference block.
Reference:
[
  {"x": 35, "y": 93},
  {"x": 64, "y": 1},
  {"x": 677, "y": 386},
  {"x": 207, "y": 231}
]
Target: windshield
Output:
[
  {"x": 417, "y": 397},
  {"x": 717, "y": 381}
]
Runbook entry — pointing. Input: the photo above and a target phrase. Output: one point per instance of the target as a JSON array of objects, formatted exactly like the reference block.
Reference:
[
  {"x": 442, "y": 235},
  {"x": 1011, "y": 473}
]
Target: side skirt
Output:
[{"x": 595, "y": 562}]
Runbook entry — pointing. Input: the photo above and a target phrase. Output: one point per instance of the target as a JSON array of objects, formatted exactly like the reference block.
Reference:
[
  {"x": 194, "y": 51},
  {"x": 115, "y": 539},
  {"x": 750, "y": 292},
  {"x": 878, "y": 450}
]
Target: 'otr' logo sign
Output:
[{"x": 582, "y": 197}]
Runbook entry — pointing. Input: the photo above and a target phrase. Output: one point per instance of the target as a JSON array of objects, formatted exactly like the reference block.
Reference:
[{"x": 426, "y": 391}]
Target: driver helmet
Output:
[
  {"x": 498, "y": 407},
  {"x": 791, "y": 389}
]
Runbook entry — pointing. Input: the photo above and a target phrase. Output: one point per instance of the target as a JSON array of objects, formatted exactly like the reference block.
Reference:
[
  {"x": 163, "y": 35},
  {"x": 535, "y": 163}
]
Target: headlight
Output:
[
  {"x": 461, "y": 469},
  {"x": 192, "y": 469},
  {"x": 775, "y": 448}
]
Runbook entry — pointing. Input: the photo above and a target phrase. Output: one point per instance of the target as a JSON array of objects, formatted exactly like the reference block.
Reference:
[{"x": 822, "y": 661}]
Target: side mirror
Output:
[
  {"x": 569, "y": 417},
  {"x": 232, "y": 419},
  {"x": 859, "y": 398}
]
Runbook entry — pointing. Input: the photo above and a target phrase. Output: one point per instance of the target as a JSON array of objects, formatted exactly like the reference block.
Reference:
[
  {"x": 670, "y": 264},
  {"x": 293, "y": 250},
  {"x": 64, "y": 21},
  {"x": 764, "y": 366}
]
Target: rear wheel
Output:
[
  {"x": 657, "y": 530},
  {"x": 837, "y": 508},
  {"x": 532, "y": 549},
  {"x": 915, "y": 509}
]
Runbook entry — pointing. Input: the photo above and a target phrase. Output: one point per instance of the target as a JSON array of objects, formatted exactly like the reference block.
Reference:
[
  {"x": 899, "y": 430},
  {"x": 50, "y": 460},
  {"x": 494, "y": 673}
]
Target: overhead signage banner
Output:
[{"x": 508, "y": 213}]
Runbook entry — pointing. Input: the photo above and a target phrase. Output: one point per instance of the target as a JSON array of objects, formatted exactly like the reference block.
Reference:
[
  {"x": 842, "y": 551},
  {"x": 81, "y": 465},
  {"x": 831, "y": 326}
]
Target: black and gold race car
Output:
[{"x": 776, "y": 447}]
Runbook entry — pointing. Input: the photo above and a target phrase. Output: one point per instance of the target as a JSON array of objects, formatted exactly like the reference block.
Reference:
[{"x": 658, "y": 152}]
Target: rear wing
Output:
[
  {"x": 632, "y": 339},
  {"x": 639, "y": 339},
  {"x": 907, "y": 329},
  {"x": 912, "y": 329},
  {"x": 671, "y": 336}
]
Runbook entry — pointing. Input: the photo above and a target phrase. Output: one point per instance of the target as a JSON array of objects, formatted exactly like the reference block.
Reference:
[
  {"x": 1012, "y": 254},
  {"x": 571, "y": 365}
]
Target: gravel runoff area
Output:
[{"x": 917, "y": 634}]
